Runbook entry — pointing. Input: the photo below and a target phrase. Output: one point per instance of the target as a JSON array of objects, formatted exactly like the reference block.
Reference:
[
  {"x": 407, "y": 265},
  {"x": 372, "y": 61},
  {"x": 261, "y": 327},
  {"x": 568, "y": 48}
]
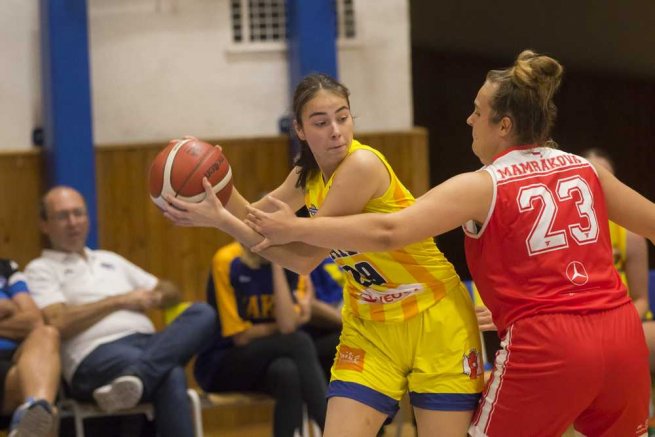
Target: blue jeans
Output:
[{"x": 158, "y": 360}]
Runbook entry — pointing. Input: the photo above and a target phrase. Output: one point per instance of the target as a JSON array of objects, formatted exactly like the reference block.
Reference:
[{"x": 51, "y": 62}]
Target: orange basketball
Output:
[{"x": 179, "y": 168}]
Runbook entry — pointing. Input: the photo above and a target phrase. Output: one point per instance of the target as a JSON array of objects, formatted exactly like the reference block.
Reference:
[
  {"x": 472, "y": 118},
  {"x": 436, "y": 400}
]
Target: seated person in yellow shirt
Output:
[
  {"x": 258, "y": 346},
  {"x": 324, "y": 286}
]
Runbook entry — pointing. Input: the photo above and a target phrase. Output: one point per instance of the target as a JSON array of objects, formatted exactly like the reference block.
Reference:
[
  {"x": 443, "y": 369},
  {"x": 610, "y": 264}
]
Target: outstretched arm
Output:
[
  {"x": 626, "y": 207},
  {"x": 360, "y": 177},
  {"x": 211, "y": 213},
  {"x": 451, "y": 204}
]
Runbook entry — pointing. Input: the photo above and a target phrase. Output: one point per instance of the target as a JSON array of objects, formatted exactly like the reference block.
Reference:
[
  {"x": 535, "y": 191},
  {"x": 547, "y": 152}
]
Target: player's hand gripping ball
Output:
[{"x": 179, "y": 168}]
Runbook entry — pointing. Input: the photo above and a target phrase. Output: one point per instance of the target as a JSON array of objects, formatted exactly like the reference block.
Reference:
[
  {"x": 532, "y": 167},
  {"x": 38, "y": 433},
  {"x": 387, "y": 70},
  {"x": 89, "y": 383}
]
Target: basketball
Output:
[{"x": 179, "y": 168}]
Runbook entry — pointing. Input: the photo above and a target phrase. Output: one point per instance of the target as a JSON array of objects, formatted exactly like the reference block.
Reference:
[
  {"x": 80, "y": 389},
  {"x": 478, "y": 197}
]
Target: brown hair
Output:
[
  {"x": 305, "y": 91},
  {"x": 525, "y": 95}
]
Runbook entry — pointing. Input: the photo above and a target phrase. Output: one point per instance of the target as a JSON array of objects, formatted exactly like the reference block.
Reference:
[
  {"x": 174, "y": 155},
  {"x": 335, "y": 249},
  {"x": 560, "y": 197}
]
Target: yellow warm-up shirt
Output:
[{"x": 619, "y": 237}]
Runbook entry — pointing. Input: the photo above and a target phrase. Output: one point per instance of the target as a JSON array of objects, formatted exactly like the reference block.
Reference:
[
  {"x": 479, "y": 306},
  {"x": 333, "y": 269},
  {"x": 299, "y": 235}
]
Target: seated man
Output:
[
  {"x": 29, "y": 358},
  {"x": 96, "y": 299}
]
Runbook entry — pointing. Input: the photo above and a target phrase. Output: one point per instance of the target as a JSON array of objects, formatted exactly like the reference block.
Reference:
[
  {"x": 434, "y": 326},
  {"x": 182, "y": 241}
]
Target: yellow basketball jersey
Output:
[
  {"x": 619, "y": 237},
  {"x": 393, "y": 285},
  {"x": 619, "y": 242}
]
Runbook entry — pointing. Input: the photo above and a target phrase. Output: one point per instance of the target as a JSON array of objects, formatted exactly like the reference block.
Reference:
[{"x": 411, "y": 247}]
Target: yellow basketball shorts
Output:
[{"x": 435, "y": 355}]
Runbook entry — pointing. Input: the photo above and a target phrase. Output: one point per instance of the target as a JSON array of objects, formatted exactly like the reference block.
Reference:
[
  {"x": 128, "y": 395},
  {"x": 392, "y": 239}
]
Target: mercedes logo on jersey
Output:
[{"x": 576, "y": 273}]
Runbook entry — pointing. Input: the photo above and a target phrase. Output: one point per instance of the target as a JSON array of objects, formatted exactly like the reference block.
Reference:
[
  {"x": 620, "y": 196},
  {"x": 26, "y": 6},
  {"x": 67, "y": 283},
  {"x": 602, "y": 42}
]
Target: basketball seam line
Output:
[{"x": 191, "y": 173}]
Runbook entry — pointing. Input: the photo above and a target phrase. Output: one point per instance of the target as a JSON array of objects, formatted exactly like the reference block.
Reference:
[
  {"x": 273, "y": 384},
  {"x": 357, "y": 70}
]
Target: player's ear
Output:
[
  {"x": 299, "y": 132},
  {"x": 506, "y": 126}
]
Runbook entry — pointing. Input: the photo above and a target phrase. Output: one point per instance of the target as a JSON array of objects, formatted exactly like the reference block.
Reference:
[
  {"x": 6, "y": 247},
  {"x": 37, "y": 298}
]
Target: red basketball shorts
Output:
[{"x": 555, "y": 370}]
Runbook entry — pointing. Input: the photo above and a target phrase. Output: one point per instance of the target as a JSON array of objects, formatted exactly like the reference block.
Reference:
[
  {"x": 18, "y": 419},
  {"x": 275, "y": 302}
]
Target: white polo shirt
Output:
[{"x": 61, "y": 277}]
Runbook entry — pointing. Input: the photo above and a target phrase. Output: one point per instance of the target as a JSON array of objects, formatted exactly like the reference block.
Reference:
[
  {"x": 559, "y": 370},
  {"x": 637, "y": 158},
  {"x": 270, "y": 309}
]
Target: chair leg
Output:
[
  {"x": 196, "y": 411},
  {"x": 79, "y": 422},
  {"x": 309, "y": 427},
  {"x": 315, "y": 429}
]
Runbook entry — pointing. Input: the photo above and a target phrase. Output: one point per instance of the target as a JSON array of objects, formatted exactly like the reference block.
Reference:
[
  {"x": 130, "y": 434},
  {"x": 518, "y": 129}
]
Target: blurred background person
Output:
[{"x": 259, "y": 345}]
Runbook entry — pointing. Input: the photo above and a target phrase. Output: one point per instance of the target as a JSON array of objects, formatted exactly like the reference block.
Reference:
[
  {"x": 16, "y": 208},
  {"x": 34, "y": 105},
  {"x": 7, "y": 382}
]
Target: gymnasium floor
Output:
[{"x": 264, "y": 430}]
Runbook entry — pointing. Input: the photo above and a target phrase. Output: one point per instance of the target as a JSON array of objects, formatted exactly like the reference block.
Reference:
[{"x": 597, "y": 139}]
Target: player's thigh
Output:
[
  {"x": 372, "y": 355},
  {"x": 442, "y": 423},
  {"x": 109, "y": 361},
  {"x": 348, "y": 417},
  {"x": 649, "y": 332},
  {"x": 447, "y": 370},
  {"x": 371, "y": 363},
  {"x": 545, "y": 374},
  {"x": 621, "y": 406}
]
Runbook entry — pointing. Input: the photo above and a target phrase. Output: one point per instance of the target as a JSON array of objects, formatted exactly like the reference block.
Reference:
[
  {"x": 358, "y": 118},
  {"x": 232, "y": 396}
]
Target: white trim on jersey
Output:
[
  {"x": 486, "y": 409},
  {"x": 471, "y": 227}
]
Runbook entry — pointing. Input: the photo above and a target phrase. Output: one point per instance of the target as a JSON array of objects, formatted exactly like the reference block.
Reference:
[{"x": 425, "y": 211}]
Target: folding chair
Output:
[{"x": 84, "y": 410}]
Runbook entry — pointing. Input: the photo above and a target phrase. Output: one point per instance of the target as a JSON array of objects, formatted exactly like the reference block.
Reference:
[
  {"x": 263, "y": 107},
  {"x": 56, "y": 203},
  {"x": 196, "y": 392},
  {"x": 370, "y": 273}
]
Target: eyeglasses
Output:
[{"x": 62, "y": 216}]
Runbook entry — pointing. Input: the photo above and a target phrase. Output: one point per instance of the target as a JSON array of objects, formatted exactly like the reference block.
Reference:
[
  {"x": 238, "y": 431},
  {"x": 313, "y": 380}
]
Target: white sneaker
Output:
[
  {"x": 122, "y": 393},
  {"x": 32, "y": 419}
]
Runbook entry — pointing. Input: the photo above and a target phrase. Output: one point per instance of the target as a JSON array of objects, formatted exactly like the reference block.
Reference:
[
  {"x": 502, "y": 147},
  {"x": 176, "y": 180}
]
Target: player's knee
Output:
[
  {"x": 47, "y": 337},
  {"x": 301, "y": 342},
  {"x": 283, "y": 376}
]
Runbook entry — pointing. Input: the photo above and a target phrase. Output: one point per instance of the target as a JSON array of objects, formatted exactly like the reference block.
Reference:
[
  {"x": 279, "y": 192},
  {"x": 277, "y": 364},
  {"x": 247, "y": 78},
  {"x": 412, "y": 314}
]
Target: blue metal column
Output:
[
  {"x": 312, "y": 35},
  {"x": 312, "y": 40},
  {"x": 68, "y": 135}
]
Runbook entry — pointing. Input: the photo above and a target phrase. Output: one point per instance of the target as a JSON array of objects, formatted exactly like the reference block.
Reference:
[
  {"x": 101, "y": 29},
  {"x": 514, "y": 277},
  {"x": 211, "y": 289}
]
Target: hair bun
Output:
[{"x": 532, "y": 69}]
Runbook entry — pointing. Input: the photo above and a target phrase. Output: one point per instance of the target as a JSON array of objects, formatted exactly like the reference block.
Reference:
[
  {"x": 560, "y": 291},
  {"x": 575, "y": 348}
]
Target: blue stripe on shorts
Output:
[
  {"x": 445, "y": 401},
  {"x": 365, "y": 395}
]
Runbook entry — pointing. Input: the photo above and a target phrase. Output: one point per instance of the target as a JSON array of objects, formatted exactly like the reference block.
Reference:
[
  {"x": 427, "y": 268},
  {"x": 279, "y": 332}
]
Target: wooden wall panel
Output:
[
  {"x": 20, "y": 185},
  {"x": 131, "y": 225},
  {"x": 407, "y": 152}
]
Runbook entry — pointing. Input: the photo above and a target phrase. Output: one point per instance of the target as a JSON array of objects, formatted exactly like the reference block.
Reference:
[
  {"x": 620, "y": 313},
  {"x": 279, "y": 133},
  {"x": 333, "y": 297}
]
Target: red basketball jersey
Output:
[{"x": 545, "y": 244}]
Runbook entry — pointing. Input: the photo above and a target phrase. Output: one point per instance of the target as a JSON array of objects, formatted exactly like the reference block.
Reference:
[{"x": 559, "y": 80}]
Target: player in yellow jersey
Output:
[{"x": 408, "y": 321}]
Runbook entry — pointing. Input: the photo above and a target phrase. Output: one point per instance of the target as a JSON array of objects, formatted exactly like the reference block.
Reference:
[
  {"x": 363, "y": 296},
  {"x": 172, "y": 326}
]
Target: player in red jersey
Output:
[{"x": 538, "y": 247}]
